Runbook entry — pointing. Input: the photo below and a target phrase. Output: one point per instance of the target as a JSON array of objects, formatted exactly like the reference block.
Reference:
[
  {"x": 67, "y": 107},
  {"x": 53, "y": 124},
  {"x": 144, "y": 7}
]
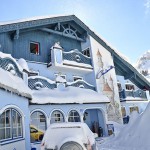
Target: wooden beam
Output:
[
  {"x": 61, "y": 33},
  {"x": 16, "y": 35}
]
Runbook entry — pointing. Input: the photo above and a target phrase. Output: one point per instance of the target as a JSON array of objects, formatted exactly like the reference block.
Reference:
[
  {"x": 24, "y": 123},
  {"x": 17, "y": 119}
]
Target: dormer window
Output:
[
  {"x": 34, "y": 48},
  {"x": 86, "y": 52},
  {"x": 129, "y": 86}
]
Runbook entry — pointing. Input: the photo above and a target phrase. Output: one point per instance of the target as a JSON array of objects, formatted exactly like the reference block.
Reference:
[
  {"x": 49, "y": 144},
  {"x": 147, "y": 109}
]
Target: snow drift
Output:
[{"x": 134, "y": 136}]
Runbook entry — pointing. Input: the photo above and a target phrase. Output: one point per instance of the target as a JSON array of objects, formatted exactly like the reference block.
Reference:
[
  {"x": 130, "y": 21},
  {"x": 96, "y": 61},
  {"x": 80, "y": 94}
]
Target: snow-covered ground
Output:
[{"x": 134, "y": 136}]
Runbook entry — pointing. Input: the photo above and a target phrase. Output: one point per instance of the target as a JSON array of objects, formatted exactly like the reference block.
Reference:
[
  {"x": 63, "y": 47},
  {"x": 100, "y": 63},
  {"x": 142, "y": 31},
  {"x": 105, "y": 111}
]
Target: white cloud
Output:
[{"x": 147, "y": 6}]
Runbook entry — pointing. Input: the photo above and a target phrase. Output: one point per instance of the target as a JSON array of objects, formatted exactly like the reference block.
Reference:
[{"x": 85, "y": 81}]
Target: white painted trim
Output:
[
  {"x": 50, "y": 114},
  {"x": 22, "y": 115},
  {"x": 40, "y": 110},
  {"x": 75, "y": 109}
]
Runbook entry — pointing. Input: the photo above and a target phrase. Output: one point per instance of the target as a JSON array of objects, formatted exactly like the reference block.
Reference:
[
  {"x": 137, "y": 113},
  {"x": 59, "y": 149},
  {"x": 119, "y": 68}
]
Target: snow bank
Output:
[
  {"x": 14, "y": 84},
  {"x": 67, "y": 95},
  {"x": 134, "y": 136}
]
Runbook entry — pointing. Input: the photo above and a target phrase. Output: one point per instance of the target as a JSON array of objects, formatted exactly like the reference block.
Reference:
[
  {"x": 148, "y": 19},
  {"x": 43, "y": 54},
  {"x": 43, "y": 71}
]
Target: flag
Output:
[{"x": 101, "y": 72}]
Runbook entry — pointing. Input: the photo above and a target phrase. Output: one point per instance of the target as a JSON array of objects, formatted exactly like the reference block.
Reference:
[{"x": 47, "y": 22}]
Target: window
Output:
[
  {"x": 10, "y": 125},
  {"x": 123, "y": 110},
  {"x": 135, "y": 108},
  {"x": 129, "y": 86},
  {"x": 38, "y": 126},
  {"x": 75, "y": 78},
  {"x": 119, "y": 87},
  {"x": 74, "y": 116},
  {"x": 34, "y": 48},
  {"x": 86, "y": 52},
  {"x": 57, "y": 117}
]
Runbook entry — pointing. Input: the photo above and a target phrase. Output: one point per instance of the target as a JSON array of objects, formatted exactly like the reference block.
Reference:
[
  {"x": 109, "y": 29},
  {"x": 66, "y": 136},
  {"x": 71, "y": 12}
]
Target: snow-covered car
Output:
[{"x": 68, "y": 136}]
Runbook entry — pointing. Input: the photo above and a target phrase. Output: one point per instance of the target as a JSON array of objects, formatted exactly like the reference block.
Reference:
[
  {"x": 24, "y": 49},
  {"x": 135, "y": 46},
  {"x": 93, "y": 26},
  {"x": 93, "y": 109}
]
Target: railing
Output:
[
  {"x": 81, "y": 84},
  {"x": 38, "y": 82},
  {"x": 135, "y": 94},
  {"x": 77, "y": 56},
  {"x": 9, "y": 65}
]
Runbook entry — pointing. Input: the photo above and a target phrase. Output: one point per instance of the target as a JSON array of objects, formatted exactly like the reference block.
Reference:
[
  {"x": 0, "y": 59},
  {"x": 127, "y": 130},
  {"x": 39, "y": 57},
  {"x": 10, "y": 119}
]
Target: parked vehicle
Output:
[
  {"x": 68, "y": 136},
  {"x": 36, "y": 134}
]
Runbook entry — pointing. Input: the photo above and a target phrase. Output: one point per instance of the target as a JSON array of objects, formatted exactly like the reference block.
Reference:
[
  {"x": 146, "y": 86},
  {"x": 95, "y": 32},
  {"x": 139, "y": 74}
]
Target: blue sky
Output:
[{"x": 125, "y": 24}]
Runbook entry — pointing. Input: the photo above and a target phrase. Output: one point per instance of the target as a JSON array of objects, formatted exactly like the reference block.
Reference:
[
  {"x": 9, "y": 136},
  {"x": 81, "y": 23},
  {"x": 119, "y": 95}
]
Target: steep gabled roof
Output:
[{"x": 122, "y": 66}]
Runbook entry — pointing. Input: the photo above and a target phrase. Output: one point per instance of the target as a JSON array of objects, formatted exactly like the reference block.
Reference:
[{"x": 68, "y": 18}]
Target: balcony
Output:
[
  {"x": 37, "y": 82},
  {"x": 73, "y": 60},
  {"x": 132, "y": 95},
  {"x": 76, "y": 58}
]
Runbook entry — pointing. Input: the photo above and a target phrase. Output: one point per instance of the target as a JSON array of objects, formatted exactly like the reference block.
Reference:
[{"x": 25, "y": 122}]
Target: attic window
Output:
[
  {"x": 86, "y": 52},
  {"x": 34, "y": 48}
]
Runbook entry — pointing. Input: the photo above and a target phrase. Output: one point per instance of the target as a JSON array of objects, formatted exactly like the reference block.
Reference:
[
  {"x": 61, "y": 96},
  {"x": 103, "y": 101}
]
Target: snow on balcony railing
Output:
[
  {"x": 38, "y": 82},
  {"x": 9, "y": 64},
  {"x": 81, "y": 84},
  {"x": 77, "y": 56},
  {"x": 133, "y": 94}
]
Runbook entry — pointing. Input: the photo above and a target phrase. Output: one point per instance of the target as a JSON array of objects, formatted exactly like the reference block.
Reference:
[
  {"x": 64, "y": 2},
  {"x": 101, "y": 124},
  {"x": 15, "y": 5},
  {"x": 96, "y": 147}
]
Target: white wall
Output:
[
  {"x": 107, "y": 61},
  {"x": 10, "y": 100}
]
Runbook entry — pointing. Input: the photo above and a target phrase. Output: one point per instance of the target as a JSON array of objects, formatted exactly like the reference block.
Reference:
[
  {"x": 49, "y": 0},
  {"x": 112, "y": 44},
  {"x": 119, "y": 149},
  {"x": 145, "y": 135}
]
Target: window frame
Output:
[
  {"x": 39, "y": 122},
  {"x": 11, "y": 125},
  {"x": 57, "y": 120},
  {"x": 79, "y": 78},
  {"x": 134, "y": 108},
  {"x": 127, "y": 85},
  {"x": 73, "y": 116},
  {"x": 86, "y": 53},
  {"x": 32, "y": 42},
  {"x": 119, "y": 86}
]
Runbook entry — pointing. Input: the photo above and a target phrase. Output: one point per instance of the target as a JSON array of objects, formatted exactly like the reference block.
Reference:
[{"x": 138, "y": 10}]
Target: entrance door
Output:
[{"x": 95, "y": 121}]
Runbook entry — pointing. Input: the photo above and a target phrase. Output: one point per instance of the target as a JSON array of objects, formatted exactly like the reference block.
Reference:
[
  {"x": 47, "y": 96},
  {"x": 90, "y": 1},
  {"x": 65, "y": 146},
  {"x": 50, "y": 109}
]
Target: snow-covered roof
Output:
[
  {"x": 14, "y": 84},
  {"x": 67, "y": 95},
  {"x": 30, "y": 19}
]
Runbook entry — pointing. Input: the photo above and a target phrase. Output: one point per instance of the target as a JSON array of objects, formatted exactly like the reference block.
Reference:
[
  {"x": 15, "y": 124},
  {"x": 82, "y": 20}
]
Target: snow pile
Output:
[
  {"x": 14, "y": 84},
  {"x": 67, "y": 95},
  {"x": 135, "y": 135},
  {"x": 23, "y": 64},
  {"x": 143, "y": 64}
]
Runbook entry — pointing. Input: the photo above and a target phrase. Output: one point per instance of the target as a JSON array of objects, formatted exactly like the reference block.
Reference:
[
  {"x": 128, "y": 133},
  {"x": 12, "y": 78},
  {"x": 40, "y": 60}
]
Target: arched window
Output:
[
  {"x": 57, "y": 117},
  {"x": 38, "y": 126},
  {"x": 10, "y": 124},
  {"x": 74, "y": 116}
]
